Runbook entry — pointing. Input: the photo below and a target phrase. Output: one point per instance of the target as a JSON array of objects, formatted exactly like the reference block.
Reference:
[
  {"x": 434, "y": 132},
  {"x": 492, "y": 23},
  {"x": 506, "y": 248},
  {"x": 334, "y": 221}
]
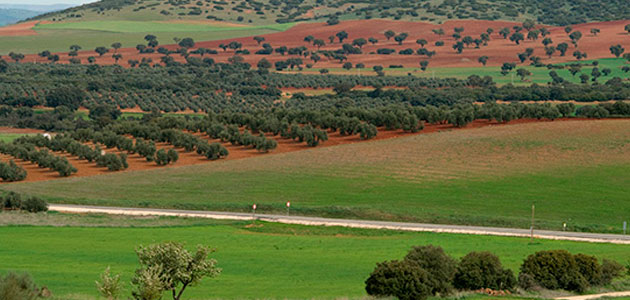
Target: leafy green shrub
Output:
[
  {"x": 589, "y": 267},
  {"x": 12, "y": 200},
  {"x": 34, "y": 204},
  {"x": 401, "y": 279},
  {"x": 527, "y": 282},
  {"x": 109, "y": 286},
  {"x": 12, "y": 172},
  {"x": 15, "y": 286},
  {"x": 172, "y": 155},
  {"x": 610, "y": 270},
  {"x": 112, "y": 161},
  {"x": 555, "y": 269},
  {"x": 438, "y": 264},
  {"x": 479, "y": 270}
]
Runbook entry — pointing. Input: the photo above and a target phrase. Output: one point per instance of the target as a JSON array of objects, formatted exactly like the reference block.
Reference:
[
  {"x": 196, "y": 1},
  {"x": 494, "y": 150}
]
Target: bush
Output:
[
  {"x": 11, "y": 172},
  {"x": 555, "y": 269},
  {"x": 12, "y": 200},
  {"x": 438, "y": 264},
  {"x": 527, "y": 282},
  {"x": 589, "y": 267},
  {"x": 15, "y": 286},
  {"x": 112, "y": 161},
  {"x": 610, "y": 270},
  {"x": 401, "y": 279},
  {"x": 478, "y": 270},
  {"x": 172, "y": 155},
  {"x": 34, "y": 204},
  {"x": 161, "y": 158},
  {"x": 109, "y": 286}
]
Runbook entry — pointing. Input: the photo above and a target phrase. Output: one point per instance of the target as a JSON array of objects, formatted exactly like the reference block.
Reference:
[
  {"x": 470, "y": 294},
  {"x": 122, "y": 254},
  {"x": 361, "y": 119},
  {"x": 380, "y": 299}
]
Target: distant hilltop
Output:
[{"x": 265, "y": 12}]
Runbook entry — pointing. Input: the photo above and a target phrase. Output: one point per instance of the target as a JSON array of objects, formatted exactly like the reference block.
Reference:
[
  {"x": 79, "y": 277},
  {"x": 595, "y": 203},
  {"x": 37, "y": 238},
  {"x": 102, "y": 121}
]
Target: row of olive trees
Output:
[{"x": 42, "y": 157}]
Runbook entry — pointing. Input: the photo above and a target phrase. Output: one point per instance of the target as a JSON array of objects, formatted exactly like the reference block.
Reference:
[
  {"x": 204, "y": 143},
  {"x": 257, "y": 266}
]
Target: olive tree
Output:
[
  {"x": 170, "y": 267},
  {"x": 109, "y": 286}
]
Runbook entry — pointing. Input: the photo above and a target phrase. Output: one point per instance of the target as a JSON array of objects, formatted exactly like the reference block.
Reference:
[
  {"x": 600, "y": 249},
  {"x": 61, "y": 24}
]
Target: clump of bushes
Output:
[
  {"x": 559, "y": 269},
  {"x": 15, "y": 201},
  {"x": 427, "y": 271}
]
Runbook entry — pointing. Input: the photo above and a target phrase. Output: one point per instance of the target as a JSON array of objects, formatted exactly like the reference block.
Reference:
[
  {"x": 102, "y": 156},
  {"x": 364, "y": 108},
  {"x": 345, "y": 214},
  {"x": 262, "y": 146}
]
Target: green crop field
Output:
[
  {"x": 540, "y": 75},
  {"x": 573, "y": 171},
  {"x": 59, "y": 37},
  {"x": 148, "y": 26},
  {"x": 8, "y": 137},
  {"x": 266, "y": 261}
]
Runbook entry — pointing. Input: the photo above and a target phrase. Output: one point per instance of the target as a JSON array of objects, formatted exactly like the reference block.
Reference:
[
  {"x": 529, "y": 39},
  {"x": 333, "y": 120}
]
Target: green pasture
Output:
[
  {"x": 154, "y": 26},
  {"x": 540, "y": 75},
  {"x": 58, "y": 37},
  {"x": 8, "y": 137},
  {"x": 267, "y": 261},
  {"x": 574, "y": 172}
]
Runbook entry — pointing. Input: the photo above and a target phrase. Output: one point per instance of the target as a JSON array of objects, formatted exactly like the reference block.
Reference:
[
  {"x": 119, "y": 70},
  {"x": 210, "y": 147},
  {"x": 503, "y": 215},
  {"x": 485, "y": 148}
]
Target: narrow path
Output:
[
  {"x": 315, "y": 221},
  {"x": 595, "y": 296}
]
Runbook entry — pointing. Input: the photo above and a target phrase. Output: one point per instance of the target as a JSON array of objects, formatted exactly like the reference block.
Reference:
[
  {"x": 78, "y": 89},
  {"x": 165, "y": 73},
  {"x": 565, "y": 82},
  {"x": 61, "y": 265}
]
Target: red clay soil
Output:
[
  {"x": 136, "y": 162},
  {"x": 20, "y": 29},
  {"x": 19, "y": 130},
  {"x": 498, "y": 50}
]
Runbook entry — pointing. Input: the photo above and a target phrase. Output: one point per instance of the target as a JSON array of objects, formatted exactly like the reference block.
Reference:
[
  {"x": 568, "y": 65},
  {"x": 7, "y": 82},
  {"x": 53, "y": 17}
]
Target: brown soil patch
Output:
[
  {"x": 20, "y": 29},
  {"x": 19, "y": 130},
  {"x": 499, "y": 50},
  {"x": 136, "y": 162}
]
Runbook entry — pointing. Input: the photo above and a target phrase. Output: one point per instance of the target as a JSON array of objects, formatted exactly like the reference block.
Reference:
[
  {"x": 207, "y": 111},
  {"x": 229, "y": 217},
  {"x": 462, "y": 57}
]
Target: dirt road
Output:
[{"x": 315, "y": 221}]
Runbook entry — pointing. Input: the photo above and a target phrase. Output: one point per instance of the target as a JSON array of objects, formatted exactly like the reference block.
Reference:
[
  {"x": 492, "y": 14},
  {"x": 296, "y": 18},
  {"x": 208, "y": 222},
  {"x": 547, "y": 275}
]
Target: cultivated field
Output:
[
  {"x": 485, "y": 176},
  {"x": 498, "y": 50},
  {"x": 34, "y": 37},
  {"x": 137, "y": 162},
  {"x": 266, "y": 261},
  {"x": 539, "y": 75}
]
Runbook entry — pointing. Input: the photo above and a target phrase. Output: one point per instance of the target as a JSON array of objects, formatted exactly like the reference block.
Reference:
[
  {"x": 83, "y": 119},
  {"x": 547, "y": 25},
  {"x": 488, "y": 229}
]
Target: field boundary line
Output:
[{"x": 365, "y": 224}]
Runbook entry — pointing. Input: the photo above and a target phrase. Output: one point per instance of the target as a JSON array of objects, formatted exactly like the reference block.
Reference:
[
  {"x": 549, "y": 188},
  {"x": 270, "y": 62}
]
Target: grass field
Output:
[
  {"x": 148, "y": 26},
  {"x": 59, "y": 37},
  {"x": 267, "y": 261},
  {"x": 574, "y": 171},
  {"x": 8, "y": 137},
  {"x": 540, "y": 75}
]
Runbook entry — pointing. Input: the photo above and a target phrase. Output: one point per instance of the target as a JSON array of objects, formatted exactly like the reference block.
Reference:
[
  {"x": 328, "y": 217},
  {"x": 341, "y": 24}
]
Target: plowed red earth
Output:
[
  {"x": 20, "y": 29},
  {"x": 137, "y": 162},
  {"x": 498, "y": 50}
]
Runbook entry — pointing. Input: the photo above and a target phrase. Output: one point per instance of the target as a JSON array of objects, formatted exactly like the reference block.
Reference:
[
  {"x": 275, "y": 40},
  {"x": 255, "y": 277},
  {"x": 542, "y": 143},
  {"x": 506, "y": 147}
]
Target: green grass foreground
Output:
[{"x": 267, "y": 261}]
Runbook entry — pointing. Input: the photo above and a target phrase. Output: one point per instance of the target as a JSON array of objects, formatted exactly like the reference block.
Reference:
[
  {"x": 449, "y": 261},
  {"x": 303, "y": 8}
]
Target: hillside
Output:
[
  {"x": 551, "y": 12},
  {"x": 10, "y": 16}
]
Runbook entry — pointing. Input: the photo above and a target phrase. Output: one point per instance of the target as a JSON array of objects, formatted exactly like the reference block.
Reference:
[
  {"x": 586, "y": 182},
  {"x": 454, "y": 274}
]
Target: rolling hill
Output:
[
  {"x": 10, "y": 16},
  {"x": 551, "y": 12}
]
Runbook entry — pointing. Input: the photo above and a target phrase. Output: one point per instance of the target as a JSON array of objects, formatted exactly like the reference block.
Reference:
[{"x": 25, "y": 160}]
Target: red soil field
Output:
[
  {"x": 498, "y": 50},
  {"x": 136, "y": 162},
  {"x": 20, "y": 29}
]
